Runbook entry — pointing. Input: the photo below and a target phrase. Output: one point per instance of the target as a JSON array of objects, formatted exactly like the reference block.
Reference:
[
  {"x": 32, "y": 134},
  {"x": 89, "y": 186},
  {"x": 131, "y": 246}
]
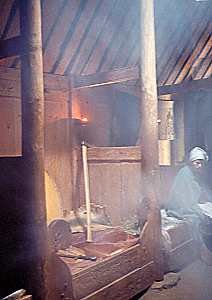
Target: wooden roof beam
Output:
[
  {"x": 106, "y": 78},
  {"x": 132, "y": 73},
  {"x": 186, "y": 86},
  {"x": 10, "y": 47}
]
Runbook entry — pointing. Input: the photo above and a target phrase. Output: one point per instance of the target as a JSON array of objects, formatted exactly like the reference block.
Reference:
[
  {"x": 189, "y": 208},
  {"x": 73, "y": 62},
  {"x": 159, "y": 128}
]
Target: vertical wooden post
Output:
[
  {"x": 148, "y": 134},
  {"x": 32, "y": 94}
]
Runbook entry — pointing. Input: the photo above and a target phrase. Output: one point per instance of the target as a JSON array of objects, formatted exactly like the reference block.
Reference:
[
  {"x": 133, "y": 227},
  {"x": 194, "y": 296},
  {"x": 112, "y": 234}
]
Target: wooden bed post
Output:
[
  {"x": 32, "y": 95},
  {"x": 148, "y": 133}
]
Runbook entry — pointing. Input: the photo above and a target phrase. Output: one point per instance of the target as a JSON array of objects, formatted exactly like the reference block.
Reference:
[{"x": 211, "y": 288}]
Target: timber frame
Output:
[{"x": 31, "y": 164}]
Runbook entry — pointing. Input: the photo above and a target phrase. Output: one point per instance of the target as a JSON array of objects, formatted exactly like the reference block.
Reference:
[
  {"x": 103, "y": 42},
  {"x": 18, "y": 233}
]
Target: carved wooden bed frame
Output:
[{"x": 124, "y": 274}]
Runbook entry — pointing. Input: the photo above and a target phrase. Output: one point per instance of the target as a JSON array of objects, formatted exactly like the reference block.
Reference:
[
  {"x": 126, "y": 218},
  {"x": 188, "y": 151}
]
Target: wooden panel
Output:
[
  {"x": 53, "y": 84},
  {"x": 10, "y": 127},
  {"x": 182, "y": 255},
  {"x": 106, "y": 78},
  {"x": 127, "y": 286},
  {"x": 115, "y": 154},
  {"x": 89, "y": 280},
  {"x": 57, "y": 128},
  {"x": 95, "y": 104},
  {"x": 114, "y": 182},
  {"x": 131, "y": 189},
  {"x": 55, "y": 111},
  {"x": 105, "y": 188}
]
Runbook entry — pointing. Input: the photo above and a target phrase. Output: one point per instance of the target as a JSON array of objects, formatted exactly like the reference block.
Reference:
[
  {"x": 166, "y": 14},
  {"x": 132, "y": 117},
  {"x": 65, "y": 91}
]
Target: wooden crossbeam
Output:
[
  {"x": 10, "y": 47},
  {"x": 132, "y": 73},
  {"x": 106, "y": 78},
  {"x": 186, "y": 86}
]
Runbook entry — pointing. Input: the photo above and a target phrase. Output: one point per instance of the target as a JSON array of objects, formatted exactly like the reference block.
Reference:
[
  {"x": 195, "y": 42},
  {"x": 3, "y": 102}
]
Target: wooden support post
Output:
[
  {"x": 148, "y": 133},
  {"x": 87, "y": 190},
  {"x": 32, "y": 94}
]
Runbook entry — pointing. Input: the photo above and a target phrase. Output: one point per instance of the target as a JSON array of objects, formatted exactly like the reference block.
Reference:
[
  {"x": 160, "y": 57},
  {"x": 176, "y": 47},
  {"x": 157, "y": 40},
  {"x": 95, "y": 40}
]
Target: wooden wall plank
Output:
[
  {"x": 115, "y": 154},
  {"x": 105, "y": 187},
  {"x": 10, "y": 127},
  {"x": 95, "y": 104},
  {"x": 53, "y": 84},
  {"x": 57, "y": 128},
  {"x": 88, "y": 283},
  {"x": 115, "y": 184},
  {"x": 131, "y": 193}
]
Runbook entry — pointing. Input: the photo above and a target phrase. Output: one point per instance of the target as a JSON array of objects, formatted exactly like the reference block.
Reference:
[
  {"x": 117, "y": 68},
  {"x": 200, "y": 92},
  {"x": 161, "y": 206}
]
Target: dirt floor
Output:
[{"x": 195, "y": 284}]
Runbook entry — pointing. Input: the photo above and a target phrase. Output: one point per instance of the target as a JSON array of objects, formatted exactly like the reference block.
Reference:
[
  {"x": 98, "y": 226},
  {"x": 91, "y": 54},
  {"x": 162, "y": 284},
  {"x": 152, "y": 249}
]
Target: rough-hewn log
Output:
[
  {"x": 10, "y": 47},
  {"x": 148, "y": 132},
  {"x": 33, "y": 202}
]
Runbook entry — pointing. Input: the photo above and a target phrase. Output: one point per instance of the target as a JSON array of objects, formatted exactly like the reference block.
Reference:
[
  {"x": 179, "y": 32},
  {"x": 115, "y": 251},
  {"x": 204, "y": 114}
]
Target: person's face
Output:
[{"x": 198, "y": 165}]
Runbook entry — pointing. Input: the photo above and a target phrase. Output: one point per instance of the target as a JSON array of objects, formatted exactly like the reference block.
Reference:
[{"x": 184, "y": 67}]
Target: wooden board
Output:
[
  {"x": 114, "y": 154},
  {"x": 115, "y": 180},
  {"x": 106, "y": 277}
]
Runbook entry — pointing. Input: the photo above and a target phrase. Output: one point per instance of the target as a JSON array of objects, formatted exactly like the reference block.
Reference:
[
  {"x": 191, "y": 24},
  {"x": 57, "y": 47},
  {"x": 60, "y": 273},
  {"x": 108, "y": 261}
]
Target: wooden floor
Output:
[{"x": 195, "y": 284}]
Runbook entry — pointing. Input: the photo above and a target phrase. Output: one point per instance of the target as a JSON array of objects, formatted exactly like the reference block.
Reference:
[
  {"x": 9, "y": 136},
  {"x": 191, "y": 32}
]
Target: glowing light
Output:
[{"x": 84, "y": 119}]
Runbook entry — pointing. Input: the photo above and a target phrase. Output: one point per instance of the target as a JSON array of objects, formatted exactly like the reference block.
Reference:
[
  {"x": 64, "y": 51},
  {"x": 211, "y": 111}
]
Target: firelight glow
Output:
[{"x": 84, "y": 119}]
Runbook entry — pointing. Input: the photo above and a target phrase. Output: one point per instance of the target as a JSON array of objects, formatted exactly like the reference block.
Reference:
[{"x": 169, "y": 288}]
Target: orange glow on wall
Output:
[{"x": 84, "y": 120}]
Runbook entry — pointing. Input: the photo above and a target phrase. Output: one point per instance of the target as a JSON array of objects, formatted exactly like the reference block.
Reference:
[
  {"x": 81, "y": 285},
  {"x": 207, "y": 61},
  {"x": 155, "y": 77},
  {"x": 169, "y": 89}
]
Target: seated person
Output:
[{"x": 189, "y": 188}]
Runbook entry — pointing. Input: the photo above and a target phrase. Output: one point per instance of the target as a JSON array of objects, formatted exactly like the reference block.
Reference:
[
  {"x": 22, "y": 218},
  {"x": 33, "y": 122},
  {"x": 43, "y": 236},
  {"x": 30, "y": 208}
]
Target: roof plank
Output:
[{"x": 82, "y": 18}]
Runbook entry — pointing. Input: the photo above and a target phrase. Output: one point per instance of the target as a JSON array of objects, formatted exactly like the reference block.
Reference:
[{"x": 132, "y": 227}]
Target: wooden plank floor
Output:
[{"x": 195, "y": 284}]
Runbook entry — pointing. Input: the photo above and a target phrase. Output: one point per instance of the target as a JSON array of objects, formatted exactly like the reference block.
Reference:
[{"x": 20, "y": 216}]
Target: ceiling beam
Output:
[
  {"x": 132, "y": 73},
  {"x": 106, "y": 78},
  {"x": 10, "y": 47},
  {"x": 186, "y": 86}
]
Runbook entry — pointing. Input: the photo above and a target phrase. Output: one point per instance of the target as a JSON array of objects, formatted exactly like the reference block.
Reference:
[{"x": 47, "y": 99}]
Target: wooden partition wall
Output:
[
  {"x": 57, "y": 127},
  {"x": 115, "y": 180}
]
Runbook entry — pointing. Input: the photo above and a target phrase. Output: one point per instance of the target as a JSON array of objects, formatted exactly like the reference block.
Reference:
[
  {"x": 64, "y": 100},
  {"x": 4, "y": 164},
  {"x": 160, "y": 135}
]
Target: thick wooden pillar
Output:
[
  {"x": 33, "y": 203},
  {"x": 148, "y": 134}
]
